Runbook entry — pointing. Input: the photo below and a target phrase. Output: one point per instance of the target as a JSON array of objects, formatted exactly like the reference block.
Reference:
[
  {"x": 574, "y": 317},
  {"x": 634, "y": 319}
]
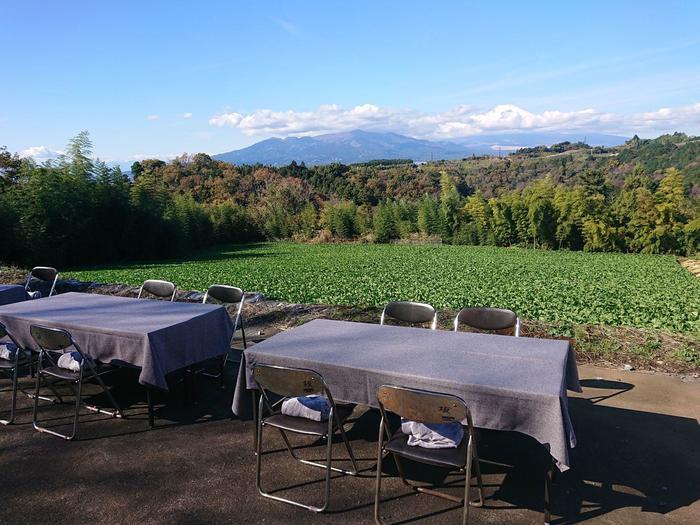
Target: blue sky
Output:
[{"x": 162, "y": 78}]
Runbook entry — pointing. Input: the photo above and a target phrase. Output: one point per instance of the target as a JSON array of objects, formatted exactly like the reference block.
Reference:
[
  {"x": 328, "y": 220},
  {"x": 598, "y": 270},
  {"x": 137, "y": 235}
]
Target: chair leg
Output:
[
  {"x": 76, "y": 415},
  {"x": 35, "y": 406},
  {"x": 243, "y": 336},
  {"x": 467, "y": 483},
  {"x": 329, "y": 469},
  {"x": 218, "y": 375},
  {"x": 378, "y": 483},
  {"x": 255, "y": 419},
  {"x": 290, "y": 448},
  {"x": 258, "y": 450},
  {"x": 33, "y": 372},
  {"x": 424, "y": 490},
  {"x": 117, "y": 409},
  {"x": 31, "y": 363},
  {"x": 14, "y": 398},
  {"x": 59, "y": 397},
  {"x": 355, "y": 468},
  {"x": 479, "y": 482},
  {"x": 79, "y": 389},
  {"x": 327, "y": 484}
]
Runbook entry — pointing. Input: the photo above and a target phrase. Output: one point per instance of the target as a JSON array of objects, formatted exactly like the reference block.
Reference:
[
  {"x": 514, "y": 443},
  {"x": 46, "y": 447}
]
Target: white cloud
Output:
[
  {"x": 226, "y": 119},
  {"x": 286, "y": 26},
  {"x": 152, "y": 117},
  {"x": 186, "y": 115},
  {"x": 498, "y": 147},
  {"x": 685, "y": 116},
  {"x": 144, "y": 156},
  {"x": 328, "y": 117},
  {"x": 459, "y": 121},
  {"x": 40, "y": 153}
]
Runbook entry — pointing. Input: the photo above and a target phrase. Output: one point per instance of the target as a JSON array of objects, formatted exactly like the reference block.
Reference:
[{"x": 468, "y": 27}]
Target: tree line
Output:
[{"x": 78, "y": 210}]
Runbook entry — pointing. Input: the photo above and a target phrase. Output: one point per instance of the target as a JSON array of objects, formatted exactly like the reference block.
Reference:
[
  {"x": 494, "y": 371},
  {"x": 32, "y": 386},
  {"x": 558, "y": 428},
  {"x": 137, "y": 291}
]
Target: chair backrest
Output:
[
  {"x": 159, "y": 289},
  {"x": 422, "y": 405},
  {"x": 410, "y": 312},
  {"x": 53, "y": 339},
  {"x": 287, "y": 381},
  {"x": 57, "y": 340},
  {"x": 224, "y": 294},
  {"x": 44, "y": 274},
  {"x": 489, "y": 319}
]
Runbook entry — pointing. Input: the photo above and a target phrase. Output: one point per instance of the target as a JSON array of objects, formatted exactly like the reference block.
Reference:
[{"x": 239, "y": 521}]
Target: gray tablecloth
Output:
[
  {"x": 156, "y": 336},
  {"x": 509, "y": 383},
  {"x": 11, "y": 293}
]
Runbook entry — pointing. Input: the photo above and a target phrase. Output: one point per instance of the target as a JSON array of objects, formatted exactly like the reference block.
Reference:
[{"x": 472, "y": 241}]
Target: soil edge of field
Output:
[{"x": 656, "y": 351}]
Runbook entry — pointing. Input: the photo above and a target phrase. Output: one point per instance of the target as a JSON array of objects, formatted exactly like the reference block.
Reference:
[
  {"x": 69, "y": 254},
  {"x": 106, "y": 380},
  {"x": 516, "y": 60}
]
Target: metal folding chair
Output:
[
  {"x": 427, "y": 407},
  {"x": 162, "y": 289},
  {"x": 285, "y": 382},
  {"x": 42, "y": 274},
  {"x": 57, "y": 340},
  {"x": 410, "y": 312},
  {"x": 222, "y": 293},
  {"x": 12, "y": 367},
  {"x": 497, "y": 320}
]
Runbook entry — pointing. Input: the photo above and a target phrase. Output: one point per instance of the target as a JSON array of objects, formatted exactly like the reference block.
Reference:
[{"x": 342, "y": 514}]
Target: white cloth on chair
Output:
[
  {"x": 8, "y": 351},
  {"x": 316, "y": 408},
  {"x": 432, "y": 435},
  {"x": 70, "y": 361}
]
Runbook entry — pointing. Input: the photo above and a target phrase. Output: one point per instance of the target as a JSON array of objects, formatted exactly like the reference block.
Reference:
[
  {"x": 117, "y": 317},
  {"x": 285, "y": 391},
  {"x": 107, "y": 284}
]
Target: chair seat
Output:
[
  {"x": 62, "y": 373},
  {"x": 302, "y": 425},
  {"x": 455, "y": 458},
  {"x": 7, "y": 364}
]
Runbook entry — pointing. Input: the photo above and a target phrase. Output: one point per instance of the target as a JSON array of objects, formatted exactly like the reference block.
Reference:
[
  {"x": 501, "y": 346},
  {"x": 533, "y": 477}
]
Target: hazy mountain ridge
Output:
[{"x": 362, "y": 146}]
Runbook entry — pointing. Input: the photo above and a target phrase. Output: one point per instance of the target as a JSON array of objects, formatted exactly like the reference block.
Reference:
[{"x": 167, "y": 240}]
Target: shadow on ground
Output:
[{"x": 197, "y": 466}]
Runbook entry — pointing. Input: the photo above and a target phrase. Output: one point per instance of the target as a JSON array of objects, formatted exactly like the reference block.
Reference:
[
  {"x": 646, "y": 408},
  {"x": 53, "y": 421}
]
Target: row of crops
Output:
[{"x": 573, "y": 287}]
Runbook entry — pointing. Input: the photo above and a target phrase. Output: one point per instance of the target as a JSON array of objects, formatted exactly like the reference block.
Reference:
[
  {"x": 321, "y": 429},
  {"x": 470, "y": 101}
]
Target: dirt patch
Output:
[{"x": 692, "y": 265}]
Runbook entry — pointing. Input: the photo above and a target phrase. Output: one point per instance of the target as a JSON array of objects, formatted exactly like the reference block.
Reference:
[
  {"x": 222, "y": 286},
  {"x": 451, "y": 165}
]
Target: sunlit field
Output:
[{"x": 612, "y": 289}]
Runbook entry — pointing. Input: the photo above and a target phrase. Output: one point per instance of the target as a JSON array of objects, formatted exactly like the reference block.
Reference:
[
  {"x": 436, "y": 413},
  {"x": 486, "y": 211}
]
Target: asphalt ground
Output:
[{"x": 637, "y": 461}]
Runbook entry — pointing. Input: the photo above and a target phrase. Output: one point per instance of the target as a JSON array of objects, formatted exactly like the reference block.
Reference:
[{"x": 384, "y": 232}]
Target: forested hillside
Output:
[{"x": 640, "y": 197}]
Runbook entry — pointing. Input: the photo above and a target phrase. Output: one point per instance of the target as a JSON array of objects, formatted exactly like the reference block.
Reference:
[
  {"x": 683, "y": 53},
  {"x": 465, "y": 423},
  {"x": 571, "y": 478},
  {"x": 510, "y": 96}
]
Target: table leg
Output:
[
  {"x": 149, "y": 402},
  {"x": 548, "y": 491}
]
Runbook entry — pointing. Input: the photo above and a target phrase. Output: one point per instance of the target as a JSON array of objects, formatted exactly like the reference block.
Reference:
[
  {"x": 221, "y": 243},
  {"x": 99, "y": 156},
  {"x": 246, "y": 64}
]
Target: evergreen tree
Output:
[
  {"x": 449, "y": 205},
  {"x": 384, "y": 224}
]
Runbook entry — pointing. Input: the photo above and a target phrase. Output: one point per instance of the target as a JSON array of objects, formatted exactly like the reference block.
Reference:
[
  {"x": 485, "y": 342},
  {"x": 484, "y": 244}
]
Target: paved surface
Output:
[{"x": 638, "y": 462}]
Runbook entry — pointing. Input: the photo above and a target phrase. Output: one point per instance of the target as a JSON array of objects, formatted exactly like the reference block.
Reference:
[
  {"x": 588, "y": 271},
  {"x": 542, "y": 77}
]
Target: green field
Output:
[{"x": 568, "y": 287}]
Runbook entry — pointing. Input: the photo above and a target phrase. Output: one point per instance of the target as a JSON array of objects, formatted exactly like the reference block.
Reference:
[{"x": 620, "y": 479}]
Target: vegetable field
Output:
[{"x": 568, "y": 287}]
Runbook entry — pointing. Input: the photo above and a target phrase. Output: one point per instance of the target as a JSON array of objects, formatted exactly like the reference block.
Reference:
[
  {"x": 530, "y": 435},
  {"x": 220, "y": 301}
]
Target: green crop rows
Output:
[{"x": 572, "y": 287}]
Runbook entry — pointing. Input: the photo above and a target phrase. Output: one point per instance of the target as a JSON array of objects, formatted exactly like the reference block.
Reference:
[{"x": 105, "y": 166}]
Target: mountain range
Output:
[{"x": 362, "y": 146}]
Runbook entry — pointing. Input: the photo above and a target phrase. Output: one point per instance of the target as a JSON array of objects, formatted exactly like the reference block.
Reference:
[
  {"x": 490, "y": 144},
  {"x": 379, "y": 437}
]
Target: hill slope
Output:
[{"x": 346, "y": 148}]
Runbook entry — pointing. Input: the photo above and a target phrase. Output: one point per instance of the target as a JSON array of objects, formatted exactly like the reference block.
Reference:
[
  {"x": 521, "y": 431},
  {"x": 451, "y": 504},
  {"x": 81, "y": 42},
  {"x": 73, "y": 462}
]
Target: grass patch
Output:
[{"x": 563, "y": 288}]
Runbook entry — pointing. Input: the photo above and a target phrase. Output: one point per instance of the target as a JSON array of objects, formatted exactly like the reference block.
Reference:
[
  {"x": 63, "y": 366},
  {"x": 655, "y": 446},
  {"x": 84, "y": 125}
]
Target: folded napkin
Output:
[
  {"x": 432, "y": 435},
  {"x": 70, "y": 361},
  {"x": 8, "y": 351},
  {"x": 316, "y": 408}
]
